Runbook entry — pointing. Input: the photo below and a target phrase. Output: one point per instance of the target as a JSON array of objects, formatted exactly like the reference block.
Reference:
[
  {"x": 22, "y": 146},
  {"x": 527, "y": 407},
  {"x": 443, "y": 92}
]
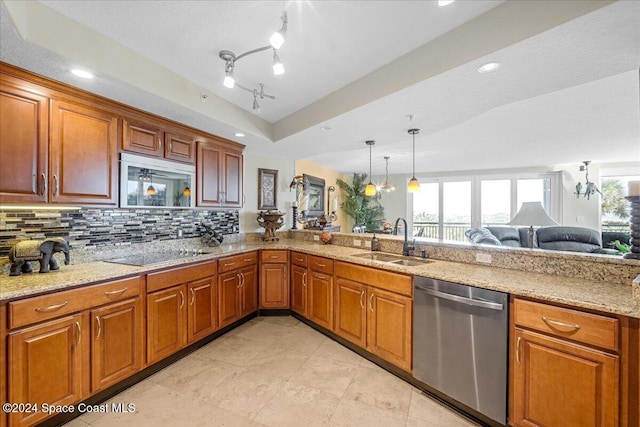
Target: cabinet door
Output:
[
  {"x": 249, "y": 290},
  {"x": 274, "y": 286},
  {"x": 45, "y": 366},
  {"x": 299, "y": 290},
  {"x": 166, "y": 322},
  {"x": 117, "y": 346},
  {"x": 23, "y": 145},
  {"x": 389, "y": 330},
  {"x": 83, "y": 155},
  {"x": 209, "y": 175},
  {"x": 232, "y": 167},
  {"x": 141, "y": 137},
  {"x": 203, "y": 314},
  {"x": 180, "y": 147},
  {"x": 557, "y": 383},
  {"x": 228, "y": 298},
  {"x": 320, "y": 296},
  {"x": 350, "y": 313}
]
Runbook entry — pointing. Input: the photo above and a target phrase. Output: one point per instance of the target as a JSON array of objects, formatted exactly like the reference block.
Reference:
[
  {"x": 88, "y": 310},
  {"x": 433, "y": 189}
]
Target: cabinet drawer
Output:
[
  {"x": 299, "y": 259},
  {"x": 175, "y": 276},
  {"x": 237, "y": 261},
  {"x": 58, "y": 304},
  {"x": 274, "y": 256},
  {"x": 380, "y": 279},
  {"x": 323, "y": 265},
  {"x": 576, "y": 325}
]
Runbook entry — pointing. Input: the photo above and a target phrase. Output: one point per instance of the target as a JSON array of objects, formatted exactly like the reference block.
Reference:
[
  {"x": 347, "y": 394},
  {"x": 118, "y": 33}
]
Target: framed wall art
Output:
[{"x": 267, "y": 189}]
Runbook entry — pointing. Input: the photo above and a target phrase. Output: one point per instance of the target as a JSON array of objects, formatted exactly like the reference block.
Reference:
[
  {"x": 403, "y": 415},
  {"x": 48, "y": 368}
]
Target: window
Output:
[
  {"x": 615, "y": 208},
  {"x": 446, "y": 207}
]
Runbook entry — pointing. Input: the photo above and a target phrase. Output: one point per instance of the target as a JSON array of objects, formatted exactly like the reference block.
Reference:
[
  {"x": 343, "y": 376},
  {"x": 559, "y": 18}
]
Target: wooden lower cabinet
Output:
[
  {"x": 350, "y": 311},
  {"x": 202, "y": 309},
  {"x": 166, "y": 322},
  {"x": 320, "y": 294},
  {"x": 299, "y": 290},
  {"x": 237, "y": 294},
  {"x": 389, "y": 331},
  {"x": 557, "y": 383},
  {"x": 377, "y": 320},
  {"x": 117, "y": 344},
  {"x": 47, "y": 365},
  {"x": 274, "y": 286}
]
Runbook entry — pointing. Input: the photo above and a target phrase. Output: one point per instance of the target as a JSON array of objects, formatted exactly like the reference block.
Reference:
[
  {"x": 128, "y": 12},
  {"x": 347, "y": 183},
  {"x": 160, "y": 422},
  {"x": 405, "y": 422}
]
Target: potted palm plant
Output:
[{"x": 365, "y": 210}]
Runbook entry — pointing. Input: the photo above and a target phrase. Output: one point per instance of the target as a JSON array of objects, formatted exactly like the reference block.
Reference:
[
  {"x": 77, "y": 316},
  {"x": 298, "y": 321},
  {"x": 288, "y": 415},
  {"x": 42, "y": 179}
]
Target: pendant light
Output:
[
  {"x": 387, "y": 186},
  {"x": 370, "y": 189},
  {"x": 414, "y": 185}
]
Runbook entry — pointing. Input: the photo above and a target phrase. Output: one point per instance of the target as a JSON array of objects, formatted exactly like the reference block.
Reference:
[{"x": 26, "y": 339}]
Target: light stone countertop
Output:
[{"x": 596, "y": 295}]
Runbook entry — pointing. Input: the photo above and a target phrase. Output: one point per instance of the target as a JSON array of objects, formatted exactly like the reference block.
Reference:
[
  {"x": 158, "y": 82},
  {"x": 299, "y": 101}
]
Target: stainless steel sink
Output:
[{"x": 392, "y": 259}]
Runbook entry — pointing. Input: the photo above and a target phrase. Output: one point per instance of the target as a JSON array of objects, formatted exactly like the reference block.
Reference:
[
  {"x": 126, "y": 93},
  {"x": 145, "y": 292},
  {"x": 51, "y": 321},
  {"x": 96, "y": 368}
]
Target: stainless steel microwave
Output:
[{"x": 155, "y": 183}]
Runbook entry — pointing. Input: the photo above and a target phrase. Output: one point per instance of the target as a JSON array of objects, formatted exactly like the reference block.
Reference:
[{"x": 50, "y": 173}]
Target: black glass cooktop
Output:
[{"x": 152, "y": 258}]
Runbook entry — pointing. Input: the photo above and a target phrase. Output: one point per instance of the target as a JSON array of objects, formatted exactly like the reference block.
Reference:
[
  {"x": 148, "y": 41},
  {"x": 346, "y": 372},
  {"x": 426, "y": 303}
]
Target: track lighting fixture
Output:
[
  {"x": 370, "y": 189},
  {"x": 275, "y": 42},
  {"x": 414, "y": 184}
]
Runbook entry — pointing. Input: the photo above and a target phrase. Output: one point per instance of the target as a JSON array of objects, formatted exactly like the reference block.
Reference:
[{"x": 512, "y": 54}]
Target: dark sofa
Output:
[{"x": 559, "y": 238}]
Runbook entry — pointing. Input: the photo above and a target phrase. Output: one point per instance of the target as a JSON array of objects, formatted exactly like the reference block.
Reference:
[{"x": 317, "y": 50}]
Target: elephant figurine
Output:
[{"x": 37, "y": 250}]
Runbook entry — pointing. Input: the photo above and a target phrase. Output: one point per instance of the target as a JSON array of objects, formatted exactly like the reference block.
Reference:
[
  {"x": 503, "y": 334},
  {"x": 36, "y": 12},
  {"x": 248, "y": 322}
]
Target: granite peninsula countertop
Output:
[{"x": 590, "y": 294}]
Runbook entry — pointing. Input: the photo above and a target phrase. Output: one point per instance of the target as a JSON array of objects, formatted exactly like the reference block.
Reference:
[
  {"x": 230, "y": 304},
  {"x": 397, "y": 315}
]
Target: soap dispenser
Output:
[{"x": 375, "y": 243}]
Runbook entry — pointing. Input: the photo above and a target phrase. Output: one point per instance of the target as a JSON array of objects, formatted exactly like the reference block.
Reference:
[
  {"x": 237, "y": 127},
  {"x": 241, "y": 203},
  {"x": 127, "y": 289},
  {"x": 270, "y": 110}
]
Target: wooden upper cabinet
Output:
[
  {"x": 179, "y": 147},
  {"x": 219, "y": 175},
  {"x": 83, "y": 155},
  {"x": 232, "y": 178},
  {"x": 142, "y": 137},
  {"x": 23, "y": 144}
]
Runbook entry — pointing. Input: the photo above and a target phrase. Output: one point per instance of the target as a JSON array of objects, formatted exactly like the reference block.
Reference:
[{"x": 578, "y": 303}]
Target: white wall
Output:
[{"x": 284, "y": 198}]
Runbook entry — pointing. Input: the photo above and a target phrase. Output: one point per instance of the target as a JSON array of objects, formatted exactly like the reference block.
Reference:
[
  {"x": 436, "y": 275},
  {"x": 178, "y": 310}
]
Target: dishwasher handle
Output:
[{"x": 463, "y": 300}]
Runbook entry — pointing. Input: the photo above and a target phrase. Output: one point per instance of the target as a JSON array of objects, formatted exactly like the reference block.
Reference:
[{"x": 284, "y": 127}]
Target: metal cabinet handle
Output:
[
  {"x": 55, "y": 185},
  {"x": 248, "y": 260},
  {"x": 229, "y": 264},
  {"x": 362, "y": 300},
  {"x": 51, "y": 307},
  {"x": 181, "y": 300},
  {"x": 159, "y": 142},
  {"x": 193, "y": 296},
  {"x": 34, "y": 184},
  {"x": 553, "y": 323},
  {"x": 241, "y": 279},
  {"x": 43, "y": 178},
  {"x": 79, "y": 332},
  {"x": 518, "y": 349},
  {"x": 99, "y": 327},
  {"x": 304, "y": 279},
  {"x": 371, "y": 301},
  {"x": 320, "y": 265},
  {"x": 299, "y": 259},
  {"x": 320, "y": 276},
  {"x": 119, "y": 291}
]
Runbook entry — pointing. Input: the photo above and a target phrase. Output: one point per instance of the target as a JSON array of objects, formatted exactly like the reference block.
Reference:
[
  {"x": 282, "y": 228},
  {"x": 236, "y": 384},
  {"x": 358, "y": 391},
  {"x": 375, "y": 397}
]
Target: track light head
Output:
[
  {"x": 278, "y": 66},
  {"x": 277, "y": 39}
]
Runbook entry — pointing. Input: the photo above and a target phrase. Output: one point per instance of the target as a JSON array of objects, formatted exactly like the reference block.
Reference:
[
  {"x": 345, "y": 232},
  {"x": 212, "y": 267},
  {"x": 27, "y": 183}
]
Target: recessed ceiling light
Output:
[
  {"x": 325, "y": 128},
  {"x": 445, "y": 2},
  {"x": 239, "y": 134},
  {"x": 82, "y": 73},
  {"x": 489, "y": 67}
]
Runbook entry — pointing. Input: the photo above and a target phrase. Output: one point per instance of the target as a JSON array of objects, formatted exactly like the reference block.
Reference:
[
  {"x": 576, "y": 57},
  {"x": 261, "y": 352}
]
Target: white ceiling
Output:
[{"x": 565, "y": 95}]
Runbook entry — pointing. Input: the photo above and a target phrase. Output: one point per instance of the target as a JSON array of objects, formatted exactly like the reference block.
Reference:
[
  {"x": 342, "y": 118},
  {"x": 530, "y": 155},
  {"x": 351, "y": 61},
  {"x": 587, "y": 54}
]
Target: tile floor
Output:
[{"x": 274, "y": 371}]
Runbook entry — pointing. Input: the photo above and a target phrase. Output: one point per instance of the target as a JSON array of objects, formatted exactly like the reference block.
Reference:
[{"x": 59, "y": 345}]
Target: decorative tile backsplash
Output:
[{"x": 108, "y": 227}]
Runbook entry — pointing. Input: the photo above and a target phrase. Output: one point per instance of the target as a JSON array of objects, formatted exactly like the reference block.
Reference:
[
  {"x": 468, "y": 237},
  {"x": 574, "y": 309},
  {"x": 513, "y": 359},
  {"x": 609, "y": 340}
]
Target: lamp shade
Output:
[
  {"x": 530, "y": 214},
  {"x": 413, "y": 186},
  {"x": 370, "y": 189}
]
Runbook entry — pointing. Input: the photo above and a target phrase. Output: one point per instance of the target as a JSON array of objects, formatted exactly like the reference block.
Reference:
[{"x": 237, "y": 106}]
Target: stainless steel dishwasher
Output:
[{"x": 460, "y": 341}]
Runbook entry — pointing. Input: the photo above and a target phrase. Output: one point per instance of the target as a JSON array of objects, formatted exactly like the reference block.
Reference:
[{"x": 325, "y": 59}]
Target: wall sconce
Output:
[{"x": 590, "y": 188}]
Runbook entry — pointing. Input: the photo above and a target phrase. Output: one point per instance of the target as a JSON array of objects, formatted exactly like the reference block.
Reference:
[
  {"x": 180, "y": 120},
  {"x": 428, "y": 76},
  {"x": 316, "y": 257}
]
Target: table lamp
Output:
[{"x": 532, "y": 213}]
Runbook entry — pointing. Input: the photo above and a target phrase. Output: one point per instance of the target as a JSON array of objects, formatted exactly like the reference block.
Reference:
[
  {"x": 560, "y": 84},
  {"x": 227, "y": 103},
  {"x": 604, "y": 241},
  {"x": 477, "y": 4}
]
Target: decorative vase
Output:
[
  {"x": 271, "y": 221},
  {"x": 326, "y": 237}
]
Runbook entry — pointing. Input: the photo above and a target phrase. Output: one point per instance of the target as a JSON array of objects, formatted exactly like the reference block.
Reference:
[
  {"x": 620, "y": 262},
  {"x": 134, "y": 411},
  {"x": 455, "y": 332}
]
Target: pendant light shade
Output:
[
  {"x": 387, "y": 186},
  {"x": 151, "y": 191},
  {"x": 370, "y": 189},
  {"x": 414, "y": 184}
]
